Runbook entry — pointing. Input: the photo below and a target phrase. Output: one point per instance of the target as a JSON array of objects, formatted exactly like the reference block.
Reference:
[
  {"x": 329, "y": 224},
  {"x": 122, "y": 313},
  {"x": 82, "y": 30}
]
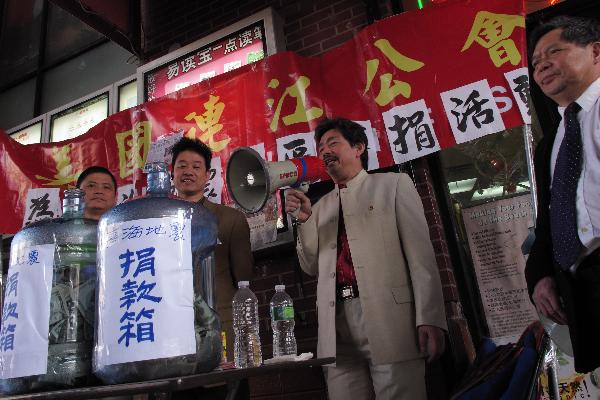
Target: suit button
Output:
[
  {"x": 333, "y": 245},
  {"x": 333, "y": 274},
  {"x": 332, "y": 303}
]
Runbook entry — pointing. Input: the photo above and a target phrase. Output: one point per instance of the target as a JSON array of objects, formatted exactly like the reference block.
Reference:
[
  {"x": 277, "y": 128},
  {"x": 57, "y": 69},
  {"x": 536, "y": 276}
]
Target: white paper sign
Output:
[
  {"x": 410, "y": 131},
  {"x": 126, "y": 193},
  {"x": 373, "y": 144},
  {"x": 160, "y": 151},
  {"x": 145, "y": 294},
  {"x": 495, "y": 231},
  {"x": 297, "y": 145},
  {"x": 260, "y": 149},
  {"x": 25, "y": 317},
  {"x": 518, "y": 80},
  {"x": 214, "y": 186},
  {"x": 42, "y": 204},
  {"x": 472, "y": 111}
]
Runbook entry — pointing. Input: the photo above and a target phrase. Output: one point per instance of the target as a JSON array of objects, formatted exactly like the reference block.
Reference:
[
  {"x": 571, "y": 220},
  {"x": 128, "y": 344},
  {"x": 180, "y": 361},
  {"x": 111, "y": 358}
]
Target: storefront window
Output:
[
  {"x": 491, "y": 168},
  {"x": 76, "y": 120},
  {"x": 29, "y": 135},
  {"x": 488, "y": 187},
  {"x": 127, "y": 95}
]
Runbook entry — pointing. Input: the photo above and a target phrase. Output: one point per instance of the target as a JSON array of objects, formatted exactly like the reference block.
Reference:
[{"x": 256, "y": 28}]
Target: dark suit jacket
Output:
[
  {"x": 540, "y": 262},
  {"x": 578, "y": 305},
  {"x": 233, "y": 262}
]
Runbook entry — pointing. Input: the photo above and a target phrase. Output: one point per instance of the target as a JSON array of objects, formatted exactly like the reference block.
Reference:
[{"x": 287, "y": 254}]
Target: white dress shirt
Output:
[{"x": 588, "y": 187}]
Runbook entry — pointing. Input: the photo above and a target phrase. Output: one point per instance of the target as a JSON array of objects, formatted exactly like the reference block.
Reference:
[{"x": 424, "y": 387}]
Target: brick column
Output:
[{"x": 461, "y": 342}]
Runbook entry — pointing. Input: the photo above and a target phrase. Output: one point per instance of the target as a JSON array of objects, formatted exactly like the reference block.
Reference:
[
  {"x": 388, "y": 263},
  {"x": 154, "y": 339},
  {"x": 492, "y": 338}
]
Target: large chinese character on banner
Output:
[{"x": 417, "y": 82}]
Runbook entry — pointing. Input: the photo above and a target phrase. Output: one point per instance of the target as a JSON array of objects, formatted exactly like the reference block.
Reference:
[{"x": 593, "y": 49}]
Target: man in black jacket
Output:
[{"x": 563, "y": 268}]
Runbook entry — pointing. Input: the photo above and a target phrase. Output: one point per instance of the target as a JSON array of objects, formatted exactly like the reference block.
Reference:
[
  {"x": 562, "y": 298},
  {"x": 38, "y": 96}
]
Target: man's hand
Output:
[
  {"x": 546, "y": 300},
  {"x": 431, "y": 341},
  {"x": 295, "y": 200}
]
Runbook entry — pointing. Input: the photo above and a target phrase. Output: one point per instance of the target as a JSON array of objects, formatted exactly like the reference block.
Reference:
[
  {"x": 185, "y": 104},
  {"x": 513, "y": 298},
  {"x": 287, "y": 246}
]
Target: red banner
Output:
[{"x": 419, "y": 82}]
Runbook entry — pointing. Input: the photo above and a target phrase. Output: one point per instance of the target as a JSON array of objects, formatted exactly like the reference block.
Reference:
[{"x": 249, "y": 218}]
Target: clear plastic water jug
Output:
[
  {"x": 153, "y": 318},
  {"x": 50, "y": 299}
]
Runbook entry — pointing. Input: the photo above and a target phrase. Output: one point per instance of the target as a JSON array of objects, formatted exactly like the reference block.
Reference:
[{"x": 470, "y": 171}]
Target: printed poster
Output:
[{"x": 495, "y": 233}]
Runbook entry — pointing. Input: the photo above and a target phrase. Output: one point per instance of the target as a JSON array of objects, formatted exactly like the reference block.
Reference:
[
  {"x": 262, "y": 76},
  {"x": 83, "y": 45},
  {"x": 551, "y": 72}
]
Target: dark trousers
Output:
[{"x": 581, "y": 296}]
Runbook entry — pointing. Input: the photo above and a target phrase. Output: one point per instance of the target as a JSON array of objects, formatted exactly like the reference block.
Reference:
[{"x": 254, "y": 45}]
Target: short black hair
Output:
[
  {"x": 195, "y": 145},
  {"x": 578, "y": 30},
  {"x": 352, "y": 132},
  {"x": 95, "y": 169}
]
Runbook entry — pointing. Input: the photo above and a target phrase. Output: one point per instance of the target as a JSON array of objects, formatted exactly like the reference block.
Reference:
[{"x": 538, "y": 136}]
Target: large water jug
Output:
[
  {"x": 47, "y": 330},
  {"x": 153, "y": 318}
]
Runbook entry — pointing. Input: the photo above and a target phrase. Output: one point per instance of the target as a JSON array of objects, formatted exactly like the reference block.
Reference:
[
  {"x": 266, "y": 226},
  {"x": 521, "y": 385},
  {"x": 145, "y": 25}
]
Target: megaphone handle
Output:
[{"x": 303, "y": 187}]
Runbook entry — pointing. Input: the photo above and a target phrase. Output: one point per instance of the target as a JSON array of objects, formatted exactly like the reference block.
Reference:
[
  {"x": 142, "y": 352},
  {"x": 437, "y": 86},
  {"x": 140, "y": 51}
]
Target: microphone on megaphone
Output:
[{"x": 251, "y": 180}]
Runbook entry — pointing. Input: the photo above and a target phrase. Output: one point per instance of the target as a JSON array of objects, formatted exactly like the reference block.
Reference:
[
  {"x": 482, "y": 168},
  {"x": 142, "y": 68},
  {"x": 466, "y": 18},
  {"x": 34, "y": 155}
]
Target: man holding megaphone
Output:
[{"x": 379, "y": 296}]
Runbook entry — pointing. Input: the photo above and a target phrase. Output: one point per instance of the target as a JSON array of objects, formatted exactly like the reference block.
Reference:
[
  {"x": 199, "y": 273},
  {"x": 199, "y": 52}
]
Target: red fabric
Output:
[
  {"x": 397, "y": 61},
  {"x": 344, "y": 266}
]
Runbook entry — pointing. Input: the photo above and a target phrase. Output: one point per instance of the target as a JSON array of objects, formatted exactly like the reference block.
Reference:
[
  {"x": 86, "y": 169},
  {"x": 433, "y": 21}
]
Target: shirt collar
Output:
[
  {"x": 587, "y": 99},
  {"x": 356, "y": 180}
]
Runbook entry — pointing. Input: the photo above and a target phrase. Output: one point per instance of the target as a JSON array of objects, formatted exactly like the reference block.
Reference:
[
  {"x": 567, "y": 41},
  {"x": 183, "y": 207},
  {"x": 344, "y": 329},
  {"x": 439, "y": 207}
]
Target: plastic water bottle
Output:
[
  {"x": 282, "y": 322},
  {"x": 246, "y": 347}
]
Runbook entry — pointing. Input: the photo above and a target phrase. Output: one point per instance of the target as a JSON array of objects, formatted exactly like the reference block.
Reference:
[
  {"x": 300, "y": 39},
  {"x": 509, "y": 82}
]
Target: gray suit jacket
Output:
[{"x": 393, "y": 258}]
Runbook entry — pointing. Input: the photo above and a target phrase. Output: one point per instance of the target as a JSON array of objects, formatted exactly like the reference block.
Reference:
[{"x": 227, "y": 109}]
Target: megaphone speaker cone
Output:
[
  {"x": 251, "y": 180},
  {"x": 247, "y": 179}
]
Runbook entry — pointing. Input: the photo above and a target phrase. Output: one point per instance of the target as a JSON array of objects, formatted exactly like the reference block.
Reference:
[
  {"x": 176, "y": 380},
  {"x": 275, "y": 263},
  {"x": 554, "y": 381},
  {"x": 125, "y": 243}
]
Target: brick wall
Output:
[
  {"x": 461, "y": 344},
  {"x": 310, "y": 26}
]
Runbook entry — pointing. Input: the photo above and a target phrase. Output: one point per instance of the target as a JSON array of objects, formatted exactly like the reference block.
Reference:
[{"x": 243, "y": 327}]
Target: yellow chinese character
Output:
[
  {"x": 209, "y": 124},
  {"x": 493, "y": 31},
  {"x": 133, "y": 148},
  {"x": 64, "y": 170},
  {"x": 300, "y": 114},
  {"x": 390, "y": 88}
]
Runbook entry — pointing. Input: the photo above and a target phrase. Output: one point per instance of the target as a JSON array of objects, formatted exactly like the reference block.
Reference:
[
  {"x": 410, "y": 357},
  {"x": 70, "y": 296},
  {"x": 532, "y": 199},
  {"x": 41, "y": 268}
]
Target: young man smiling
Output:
[{"x": 191, "y": 172}]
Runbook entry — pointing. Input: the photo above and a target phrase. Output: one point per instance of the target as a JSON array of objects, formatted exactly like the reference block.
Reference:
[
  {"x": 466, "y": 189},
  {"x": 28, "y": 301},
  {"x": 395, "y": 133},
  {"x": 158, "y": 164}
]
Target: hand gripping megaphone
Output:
[{"x": 251, "y": 180}]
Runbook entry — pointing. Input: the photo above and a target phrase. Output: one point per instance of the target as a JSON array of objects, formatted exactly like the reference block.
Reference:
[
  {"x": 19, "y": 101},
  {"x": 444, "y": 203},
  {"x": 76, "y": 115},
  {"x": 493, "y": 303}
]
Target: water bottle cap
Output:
[
  {"x": 243, "y": 284},
  {"x": 279, "y": 288}
]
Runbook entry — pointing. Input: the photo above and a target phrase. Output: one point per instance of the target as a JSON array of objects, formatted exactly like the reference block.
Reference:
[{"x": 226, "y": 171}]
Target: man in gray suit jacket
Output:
[{"x": 379, "y": 296}]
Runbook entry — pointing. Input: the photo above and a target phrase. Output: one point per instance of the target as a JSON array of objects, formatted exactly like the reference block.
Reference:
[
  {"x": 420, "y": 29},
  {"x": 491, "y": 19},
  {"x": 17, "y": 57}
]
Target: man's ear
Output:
[
  {"x": 596, "y": 52},
  {"x": 361, "y": 147}
]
